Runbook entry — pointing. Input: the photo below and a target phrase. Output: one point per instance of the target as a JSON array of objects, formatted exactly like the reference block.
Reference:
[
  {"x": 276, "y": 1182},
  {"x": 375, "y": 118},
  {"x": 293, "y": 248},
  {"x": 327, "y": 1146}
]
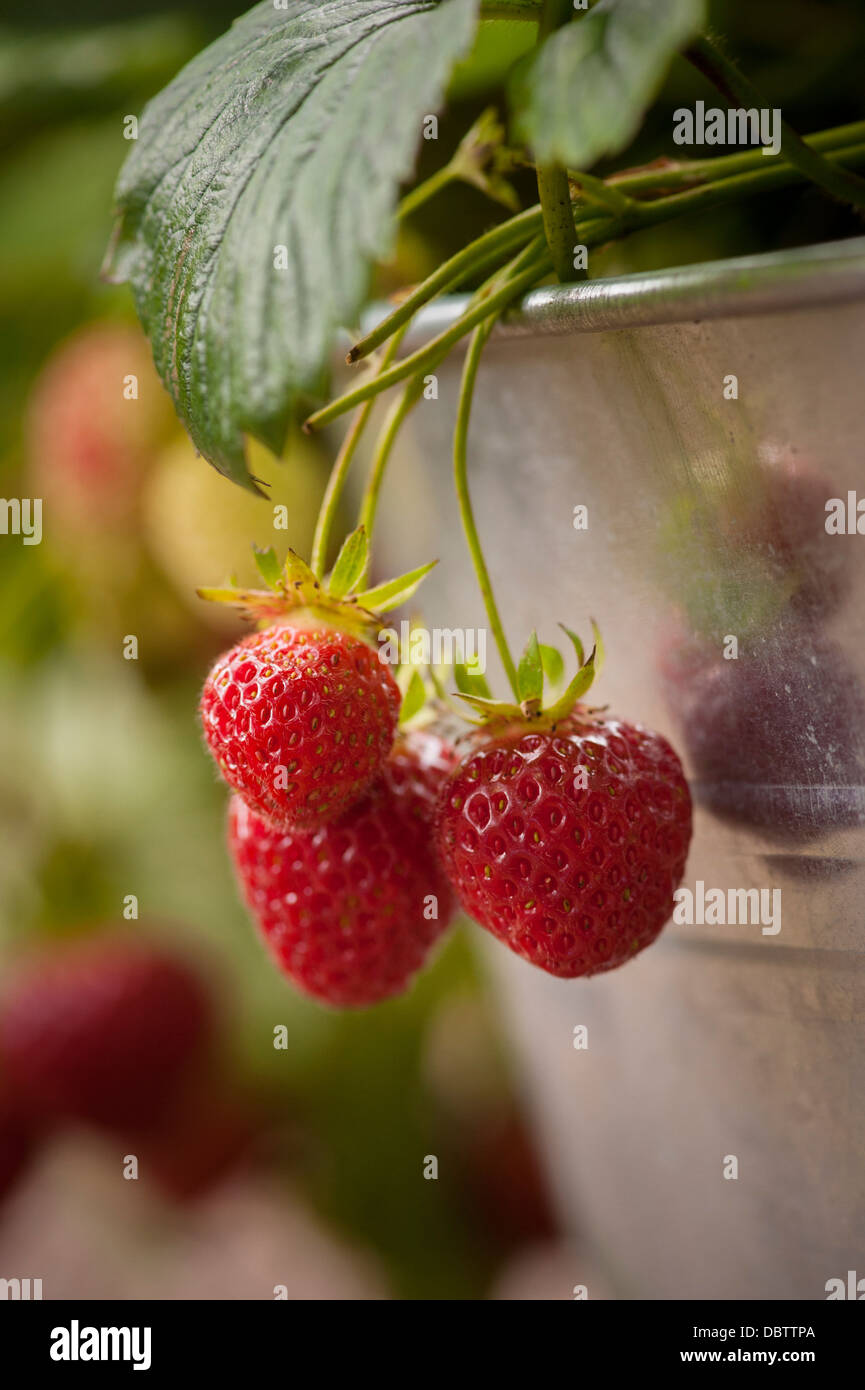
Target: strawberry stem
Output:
[
  {"x": 339, "y": 472},
  {"x": 433, "y": 352},
  {"x": 553, "y": 188},
  {"x": 493, "y": 245},
  {"x": 417, "y": 196},
  {"x": 470, "y": 370},
  {"x": 414, "y": 389},
  {"x": 401, "y": 408},
  {"x": 709, "y": 58}
]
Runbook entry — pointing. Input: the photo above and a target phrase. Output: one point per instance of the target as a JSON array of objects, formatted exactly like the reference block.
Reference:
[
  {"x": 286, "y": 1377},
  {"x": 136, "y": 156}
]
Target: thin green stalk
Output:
[
  {"x": 477, "y": 257},
  {"x": 502, "y": 239},
  {"x": 470, "y": 371},
  {"x": 590, "y": 233},
  {"x": 416, "y": 197},
  {"x": 424, "y": 357},
  {"x": 554, "y": 190},
  {"x": 714, "y": 64},
  {"x": 606, "y": 195},
  {"x": 401, "y": 407},
  {"x": 691, "y": 171},
  {"x": 339, "y": 472},
  {"x": 412, "y": 393},
  {"x": 728, "y": 190}
]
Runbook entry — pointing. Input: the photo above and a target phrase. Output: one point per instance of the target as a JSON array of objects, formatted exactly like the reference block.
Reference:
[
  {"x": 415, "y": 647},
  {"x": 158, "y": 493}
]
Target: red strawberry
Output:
[
  {"x": 300, "y": 721},
  {"x": 102, "y": 1031},
  {"x": 576, "y": 879},
  {"x": 344, "y": 908}
]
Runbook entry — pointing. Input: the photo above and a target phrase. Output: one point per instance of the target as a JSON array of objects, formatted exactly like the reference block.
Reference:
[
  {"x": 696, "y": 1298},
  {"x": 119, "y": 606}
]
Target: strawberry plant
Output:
[{"x": 267, "y": 181}]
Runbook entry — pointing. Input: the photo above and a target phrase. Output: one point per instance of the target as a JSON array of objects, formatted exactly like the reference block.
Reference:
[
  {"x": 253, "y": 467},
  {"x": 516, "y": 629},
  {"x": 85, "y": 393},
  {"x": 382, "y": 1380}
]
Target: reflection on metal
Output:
[{"x": 704, "y": 423}]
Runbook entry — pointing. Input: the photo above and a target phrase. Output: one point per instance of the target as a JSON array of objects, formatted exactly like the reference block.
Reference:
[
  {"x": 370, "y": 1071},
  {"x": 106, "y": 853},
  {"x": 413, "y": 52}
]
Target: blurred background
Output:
[{"x": 299, "y": 1166}]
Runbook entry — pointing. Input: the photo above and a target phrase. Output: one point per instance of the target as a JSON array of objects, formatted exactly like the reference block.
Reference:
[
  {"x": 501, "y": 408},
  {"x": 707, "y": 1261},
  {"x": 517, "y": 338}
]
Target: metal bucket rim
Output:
[{"x": 767, "y": 283}]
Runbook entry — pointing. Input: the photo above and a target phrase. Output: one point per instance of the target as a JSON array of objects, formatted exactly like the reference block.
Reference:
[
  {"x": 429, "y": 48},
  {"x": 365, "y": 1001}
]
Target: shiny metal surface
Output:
[
  {"x": 738, "y": 287},
  {"x": 706, "y": 520}
]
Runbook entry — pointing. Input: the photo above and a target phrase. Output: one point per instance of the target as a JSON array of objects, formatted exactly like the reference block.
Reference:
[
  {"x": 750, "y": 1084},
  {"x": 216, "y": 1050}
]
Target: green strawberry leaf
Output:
[
  {"x": 390, "y": 595},
  {"x": 260, "y": 190},
  {"x": 350, "y": 564},
  {"x": 554, "y": 666},
  {"x": 414, "y": 698},
  {"x": 582, "y": 94},
  {"x": 530, "y": 673},
  {"x": 268, "y": 566}
]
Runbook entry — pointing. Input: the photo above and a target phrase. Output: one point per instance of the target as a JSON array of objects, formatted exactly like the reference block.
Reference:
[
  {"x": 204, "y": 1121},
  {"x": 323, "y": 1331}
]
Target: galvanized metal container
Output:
[{"x": 706, "y": 515}]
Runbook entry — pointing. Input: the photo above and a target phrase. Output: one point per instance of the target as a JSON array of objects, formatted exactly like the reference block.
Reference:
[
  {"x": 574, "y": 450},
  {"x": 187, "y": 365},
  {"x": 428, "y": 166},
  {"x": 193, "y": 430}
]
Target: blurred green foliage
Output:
[{"x": 105, "y": 789}]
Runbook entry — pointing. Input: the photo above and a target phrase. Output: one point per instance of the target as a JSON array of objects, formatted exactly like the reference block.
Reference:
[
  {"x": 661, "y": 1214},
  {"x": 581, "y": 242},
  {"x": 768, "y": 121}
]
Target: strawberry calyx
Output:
[
  {"x": 537, "y": 662},
  {"x": 294, "y": 592}
]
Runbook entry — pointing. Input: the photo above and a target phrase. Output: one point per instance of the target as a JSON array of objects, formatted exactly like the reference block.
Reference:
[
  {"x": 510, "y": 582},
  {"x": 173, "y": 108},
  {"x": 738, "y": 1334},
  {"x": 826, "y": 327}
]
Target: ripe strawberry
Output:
[
  {"x": 344, "y": 908},
  {"x": 300, "y": 720},
  {"x": 103, "y": 1032},
  {"x": 575, "y": 879}
]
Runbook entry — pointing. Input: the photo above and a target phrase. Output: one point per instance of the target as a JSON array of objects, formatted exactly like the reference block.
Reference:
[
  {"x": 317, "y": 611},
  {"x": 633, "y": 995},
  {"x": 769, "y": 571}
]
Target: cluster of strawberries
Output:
[{"x": 564, "y": 834}]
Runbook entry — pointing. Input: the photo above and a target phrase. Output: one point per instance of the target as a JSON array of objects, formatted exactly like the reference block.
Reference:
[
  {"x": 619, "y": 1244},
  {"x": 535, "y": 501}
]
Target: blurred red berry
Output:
[
  {"x": 91, "y": 429},
  {"x": 18, "y": 1142},
  {"x": 209, "y": 1134},
  {"x": 102, "y": 1031}
]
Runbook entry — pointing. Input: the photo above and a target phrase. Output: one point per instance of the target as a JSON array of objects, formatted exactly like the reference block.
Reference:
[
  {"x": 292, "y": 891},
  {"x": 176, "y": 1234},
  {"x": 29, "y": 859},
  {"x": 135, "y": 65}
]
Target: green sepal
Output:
[
  {"x": 469, "y": 682},
  {"x": 268, "y": 566},
  {"x": 600, "y": 650},
  {"x": 492, "y": 710},
  {"x": 553, "y": 664},
  {"x": 530, "y": 712},
  {"x": 297, "y": 574},
  {"x": 530, "y": 673},
  {"x": 577, "y": 688},
  {"x": 390, "y": 595},
  {"x": 578, "y": 646},
  {"x": 351, "y": 563},
  {"x": 414, "y": 697}
]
